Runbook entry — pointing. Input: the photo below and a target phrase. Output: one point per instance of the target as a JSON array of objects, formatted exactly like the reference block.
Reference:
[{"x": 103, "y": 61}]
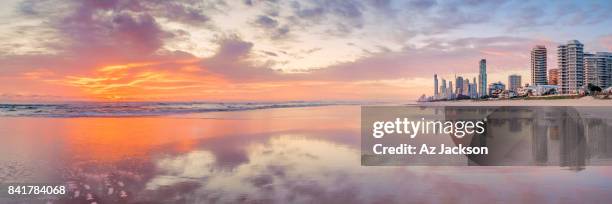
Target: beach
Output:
[
  {"x": 277, "y": 155},
  {"x": 584, "y": 101}
]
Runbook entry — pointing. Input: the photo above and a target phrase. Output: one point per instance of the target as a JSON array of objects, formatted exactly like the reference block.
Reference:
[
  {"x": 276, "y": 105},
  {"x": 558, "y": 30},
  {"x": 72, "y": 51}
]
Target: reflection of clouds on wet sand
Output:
[
  {"x": 305, "y": 170},
  {"x": 282, "y": 169}
]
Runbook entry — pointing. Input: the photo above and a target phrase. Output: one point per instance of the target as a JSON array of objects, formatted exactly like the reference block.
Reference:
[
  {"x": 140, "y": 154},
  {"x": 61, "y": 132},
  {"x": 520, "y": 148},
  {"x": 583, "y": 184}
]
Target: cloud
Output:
[
  {"x": 588, "y": 13},
  {"x": 461, "y": 55},
  {"x": 266, "y": 22},
  {"x": 344, "y": 16},
  {"x": 529, "y": 17},
  {"x": 190, "y": 12},
  {"x": 272, "y": 28},
  {"x": 90, "y": 34},
  {"x": 110, "y": 27},
  {"x": 422, "y": 4},
  {"x": 456, "y": 14},
  {"x": 539, "y": 15},
  {"x": 231, "y": 61},
  {"x": 233, "y": 48},
  {"x": 117, "y": 27}
]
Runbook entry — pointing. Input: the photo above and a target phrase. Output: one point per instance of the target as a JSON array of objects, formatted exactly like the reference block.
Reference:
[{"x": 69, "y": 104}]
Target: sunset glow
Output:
[
  {"x": 125, "y": 81},
  {"x": 265, "y": 50}
]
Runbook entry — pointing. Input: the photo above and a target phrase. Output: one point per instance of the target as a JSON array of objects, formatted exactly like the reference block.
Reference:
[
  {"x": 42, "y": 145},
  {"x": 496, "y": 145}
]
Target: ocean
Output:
[{"x": 126, "y": 109}]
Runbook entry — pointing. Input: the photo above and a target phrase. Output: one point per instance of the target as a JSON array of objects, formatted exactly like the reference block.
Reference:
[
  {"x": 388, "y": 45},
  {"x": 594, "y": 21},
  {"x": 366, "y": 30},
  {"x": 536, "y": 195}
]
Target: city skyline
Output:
[
  {"x": 275, "y": 50},
  {"x": 576, "y": 69}
]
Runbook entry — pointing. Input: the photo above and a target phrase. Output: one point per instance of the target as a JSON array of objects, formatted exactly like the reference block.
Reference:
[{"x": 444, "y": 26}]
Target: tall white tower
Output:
[{"x": 482, "y": 78}]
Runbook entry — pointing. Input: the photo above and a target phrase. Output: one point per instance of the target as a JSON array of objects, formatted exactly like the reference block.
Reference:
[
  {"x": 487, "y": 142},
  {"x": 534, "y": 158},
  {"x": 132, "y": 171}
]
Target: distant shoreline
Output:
[{"x": 531, "y": 101}]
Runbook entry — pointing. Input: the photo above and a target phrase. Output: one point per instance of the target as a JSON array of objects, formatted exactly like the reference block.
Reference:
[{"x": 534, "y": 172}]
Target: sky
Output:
[{"x": 268, "y": 50}]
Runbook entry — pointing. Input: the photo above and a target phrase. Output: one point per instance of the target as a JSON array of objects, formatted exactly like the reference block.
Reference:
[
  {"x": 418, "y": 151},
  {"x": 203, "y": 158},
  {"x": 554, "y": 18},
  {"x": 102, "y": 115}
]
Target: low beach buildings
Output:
[
  {"x": 553, "y": 77},
  {"x": 496, "y": 88},
  {"x": 514, "y": 82}
]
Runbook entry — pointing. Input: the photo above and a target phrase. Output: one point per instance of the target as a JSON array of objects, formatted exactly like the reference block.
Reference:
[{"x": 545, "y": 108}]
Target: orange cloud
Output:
[
  {"x": 150, "y": 80},
  {"x": 112, "y": 68},
  {"x": 38, "y": 74}
]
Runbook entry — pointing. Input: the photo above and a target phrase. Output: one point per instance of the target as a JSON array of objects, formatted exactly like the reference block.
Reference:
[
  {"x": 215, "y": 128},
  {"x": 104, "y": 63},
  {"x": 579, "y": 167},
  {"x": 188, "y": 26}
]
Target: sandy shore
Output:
[
  {"x": 584, "y": 101},
  {"x": 259, "y": 156}
]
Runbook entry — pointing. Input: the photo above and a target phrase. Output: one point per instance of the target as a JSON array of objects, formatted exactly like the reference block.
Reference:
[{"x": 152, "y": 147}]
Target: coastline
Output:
[{"x": 583, "y": 101}]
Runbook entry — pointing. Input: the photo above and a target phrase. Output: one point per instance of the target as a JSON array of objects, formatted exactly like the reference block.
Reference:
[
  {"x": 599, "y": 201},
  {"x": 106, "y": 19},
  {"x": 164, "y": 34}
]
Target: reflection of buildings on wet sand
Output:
[
  {"x": 578, "y": 138},
  {"x": 570, "y": 137},
  {"x": 598, "y": 139}
]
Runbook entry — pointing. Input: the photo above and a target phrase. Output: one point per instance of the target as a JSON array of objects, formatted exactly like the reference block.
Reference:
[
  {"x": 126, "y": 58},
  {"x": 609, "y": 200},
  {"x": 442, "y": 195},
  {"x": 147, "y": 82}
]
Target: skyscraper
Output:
[
  {"x": 459, "y": 85},
  {"x": 450, "y": 90},
  {"x": 597, "y": 68},
  {"x": 482, "y": 78},
  {"x": 571, "y": 65},
  {"x": 472, "y": 90},
  {"x": 475, "y": 91},
  {"x": 466, "y": 87},
  {"x": 443, "y": 93},
  {"x": 514, "y": 82},
  {"x": 538, "y": 65},
  {"x": 435, "y": 86},
  {"x": 553, "y": 77}
]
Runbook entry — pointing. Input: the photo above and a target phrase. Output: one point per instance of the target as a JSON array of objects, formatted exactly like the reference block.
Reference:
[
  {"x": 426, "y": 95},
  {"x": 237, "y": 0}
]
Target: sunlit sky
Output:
[{"x": 276, "y": 50}]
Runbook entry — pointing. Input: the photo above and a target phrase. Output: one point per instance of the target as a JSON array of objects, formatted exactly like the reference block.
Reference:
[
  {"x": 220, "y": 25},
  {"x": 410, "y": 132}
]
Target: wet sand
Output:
[{"x": 285, "y": 155}]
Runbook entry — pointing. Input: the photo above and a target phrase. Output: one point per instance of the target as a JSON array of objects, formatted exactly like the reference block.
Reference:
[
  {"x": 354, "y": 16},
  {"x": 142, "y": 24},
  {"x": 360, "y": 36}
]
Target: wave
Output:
[{"x": 127, "y": 109}]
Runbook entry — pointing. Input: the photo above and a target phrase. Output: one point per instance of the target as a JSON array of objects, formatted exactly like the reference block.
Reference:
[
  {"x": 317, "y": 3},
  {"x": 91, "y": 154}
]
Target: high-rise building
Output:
[
  {"x": 482, "y": 78},
  {"x": 538, "y": 65},
  {"x": 514, "y": 82},
  {"x": 598, "y": 69},
  {"x": 472, "y": 90},
  {"x": 553, "y": 77},
  {"x": 459, "y": 85},
  {"x": 466, "y": 87},
  {"x": 435, "y": 86},
  {"x": 571, "y": 66},
  {"x": 450, "y": 90},
  {"x": 475, "y": 88},
  {"x": 443, "y": 92}
]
